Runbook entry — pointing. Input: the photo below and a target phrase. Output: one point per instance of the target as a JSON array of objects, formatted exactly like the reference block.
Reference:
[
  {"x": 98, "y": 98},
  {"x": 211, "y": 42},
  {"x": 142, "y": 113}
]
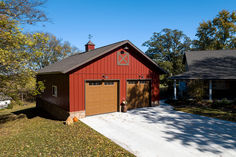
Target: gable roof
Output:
[
  {"x": 72, "y": 62},
  {"x": 216, "y": 64}
]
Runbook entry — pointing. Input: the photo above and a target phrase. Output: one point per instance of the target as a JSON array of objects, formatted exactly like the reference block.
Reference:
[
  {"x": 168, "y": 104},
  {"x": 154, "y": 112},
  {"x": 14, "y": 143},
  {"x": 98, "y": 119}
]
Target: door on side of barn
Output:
[
  {"x": 101, "y": 97},
  {"x": 138, "y": 93}
]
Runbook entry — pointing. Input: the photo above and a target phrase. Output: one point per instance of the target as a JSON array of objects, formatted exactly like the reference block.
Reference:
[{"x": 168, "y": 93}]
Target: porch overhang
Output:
[{"x": 194, "y": 75}]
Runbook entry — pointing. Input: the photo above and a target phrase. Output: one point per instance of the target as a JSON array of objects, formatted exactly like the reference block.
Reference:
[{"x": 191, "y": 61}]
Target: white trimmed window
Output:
[{"x": 54, "y": 90}]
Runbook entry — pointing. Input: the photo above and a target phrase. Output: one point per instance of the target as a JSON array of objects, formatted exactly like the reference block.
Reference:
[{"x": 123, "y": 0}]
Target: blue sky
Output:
[{"x": 110, "y": 21}]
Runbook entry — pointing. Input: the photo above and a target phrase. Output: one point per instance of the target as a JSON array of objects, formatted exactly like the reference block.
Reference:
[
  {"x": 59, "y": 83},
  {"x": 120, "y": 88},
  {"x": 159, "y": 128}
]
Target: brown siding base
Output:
[{"x": 52, "y": 109}]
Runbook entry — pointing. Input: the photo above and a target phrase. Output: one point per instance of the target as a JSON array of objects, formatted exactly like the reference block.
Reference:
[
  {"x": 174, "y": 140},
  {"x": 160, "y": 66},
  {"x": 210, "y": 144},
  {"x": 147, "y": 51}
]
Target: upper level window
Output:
[
  {"x": 122, "y": 58},
  {"x": 54, "y": 90}
]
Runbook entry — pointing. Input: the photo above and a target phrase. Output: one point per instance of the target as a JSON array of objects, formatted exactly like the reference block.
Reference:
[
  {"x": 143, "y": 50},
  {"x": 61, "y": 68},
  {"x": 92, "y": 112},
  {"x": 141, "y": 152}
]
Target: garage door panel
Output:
[
  {"x": 101, "y": 97},
  {"x": 138, "y": 94}
]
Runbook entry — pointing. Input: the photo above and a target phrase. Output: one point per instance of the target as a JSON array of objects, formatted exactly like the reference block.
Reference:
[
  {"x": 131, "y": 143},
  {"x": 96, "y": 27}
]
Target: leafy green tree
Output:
[
  {"x": 13, "y": 58},
  {"x": 25, "y": 11},
  {"x": 46, "y": 49},
  {"x": 15, "y": 75},
  {"x": 218, "y": 33},
  {"x": 22, "y": 54},
  {"x": 166, "y": 48},
  {"x": 206, "y": 36},
  {"x": 13, "y": 55},
  {"x": 196, "y": 89}
]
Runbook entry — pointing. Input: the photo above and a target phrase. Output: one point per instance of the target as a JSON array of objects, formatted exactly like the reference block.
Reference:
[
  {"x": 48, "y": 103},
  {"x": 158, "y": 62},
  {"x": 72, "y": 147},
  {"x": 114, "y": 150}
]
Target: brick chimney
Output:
[{"x": 89, "y": 46}]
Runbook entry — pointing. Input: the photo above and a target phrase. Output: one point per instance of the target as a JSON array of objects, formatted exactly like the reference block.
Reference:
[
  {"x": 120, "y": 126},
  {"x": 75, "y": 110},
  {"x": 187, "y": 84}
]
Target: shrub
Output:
[
  {"x": 20, "y": 103},
  {"x": 225, "y": 101},
  {"x": 10, "y": 106},
  {"x": 222, "y": 103},
  {"x": 196, "y": 89}
]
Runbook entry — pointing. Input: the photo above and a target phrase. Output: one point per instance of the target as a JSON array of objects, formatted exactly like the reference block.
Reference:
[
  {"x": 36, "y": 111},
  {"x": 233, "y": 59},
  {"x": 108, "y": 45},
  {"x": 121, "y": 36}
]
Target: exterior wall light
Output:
[{"x": 104, "y": 76}]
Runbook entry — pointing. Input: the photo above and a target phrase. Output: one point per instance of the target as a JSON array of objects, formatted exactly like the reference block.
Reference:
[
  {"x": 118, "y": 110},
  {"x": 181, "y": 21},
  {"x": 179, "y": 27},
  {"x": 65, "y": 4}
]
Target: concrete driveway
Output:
[{"x": 161, "y": 131}]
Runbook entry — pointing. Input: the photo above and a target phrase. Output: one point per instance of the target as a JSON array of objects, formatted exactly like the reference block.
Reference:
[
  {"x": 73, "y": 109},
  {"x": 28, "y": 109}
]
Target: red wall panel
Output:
[{"x": 107, "y": 65}]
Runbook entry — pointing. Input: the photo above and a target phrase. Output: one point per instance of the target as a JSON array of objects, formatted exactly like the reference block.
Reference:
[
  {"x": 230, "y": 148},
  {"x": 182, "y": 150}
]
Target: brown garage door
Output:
[
  {"x": 101, "y": 97},
  {"x": 138, "y": 93}
]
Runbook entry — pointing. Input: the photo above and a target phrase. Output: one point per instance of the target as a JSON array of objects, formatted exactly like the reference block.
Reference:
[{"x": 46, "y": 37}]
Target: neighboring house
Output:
[
  {"x": 4, "y": 100},
  {"x": 99, "y": 80},
  {"x": 217, "y": 69}
]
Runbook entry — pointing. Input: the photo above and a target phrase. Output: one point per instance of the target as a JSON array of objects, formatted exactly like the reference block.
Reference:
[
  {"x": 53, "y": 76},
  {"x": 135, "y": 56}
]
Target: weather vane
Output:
[{"x": 90, "y": 36}]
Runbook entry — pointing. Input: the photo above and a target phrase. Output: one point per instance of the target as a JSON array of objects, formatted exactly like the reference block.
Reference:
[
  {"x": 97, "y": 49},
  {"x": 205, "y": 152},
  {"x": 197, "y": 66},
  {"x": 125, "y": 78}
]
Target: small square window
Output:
[{"x": 54, "y": 90}]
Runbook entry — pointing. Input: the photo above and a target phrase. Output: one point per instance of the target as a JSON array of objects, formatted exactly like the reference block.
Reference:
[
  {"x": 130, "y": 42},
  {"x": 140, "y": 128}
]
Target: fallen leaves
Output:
[{"x": 39, "y": 136}]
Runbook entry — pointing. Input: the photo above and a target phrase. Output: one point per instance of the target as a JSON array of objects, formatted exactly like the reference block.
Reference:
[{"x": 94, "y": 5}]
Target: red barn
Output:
[{"x": 99, "y": 80}]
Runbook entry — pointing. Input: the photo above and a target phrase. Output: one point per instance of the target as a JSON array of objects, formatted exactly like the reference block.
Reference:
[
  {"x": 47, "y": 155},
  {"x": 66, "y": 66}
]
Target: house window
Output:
[
  {"x": 54, "y": 90},
  {"x": 95, "y": 83},
  {"x": 108, "y": 83}
]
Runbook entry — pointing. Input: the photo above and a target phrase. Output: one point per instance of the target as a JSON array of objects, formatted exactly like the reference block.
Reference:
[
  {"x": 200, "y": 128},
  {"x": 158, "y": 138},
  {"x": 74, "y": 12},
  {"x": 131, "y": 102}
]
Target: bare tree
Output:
[{"x": 24, "y": 11}]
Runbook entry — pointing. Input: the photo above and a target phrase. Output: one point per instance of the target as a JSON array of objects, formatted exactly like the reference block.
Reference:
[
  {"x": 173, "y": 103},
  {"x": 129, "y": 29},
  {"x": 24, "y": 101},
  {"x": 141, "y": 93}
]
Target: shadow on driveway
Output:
[{"x": 203, "y": 132}]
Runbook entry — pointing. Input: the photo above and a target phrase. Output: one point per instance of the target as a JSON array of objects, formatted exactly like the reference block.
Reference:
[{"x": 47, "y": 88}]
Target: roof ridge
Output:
[
  {"x": 106, "y": 46},
  {"x": 85, "y": 52},
  {"x": 80, "y": 53},
  {"x": 210, "y": 50}
]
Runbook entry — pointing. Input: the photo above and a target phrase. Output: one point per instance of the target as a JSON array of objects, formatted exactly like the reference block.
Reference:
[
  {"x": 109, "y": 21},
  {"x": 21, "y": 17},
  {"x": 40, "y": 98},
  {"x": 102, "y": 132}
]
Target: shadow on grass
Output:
[
  {"x": 28, "y": 113},
  {"x": 202, "y": 133},
  {"x": 209, "y": 112}
]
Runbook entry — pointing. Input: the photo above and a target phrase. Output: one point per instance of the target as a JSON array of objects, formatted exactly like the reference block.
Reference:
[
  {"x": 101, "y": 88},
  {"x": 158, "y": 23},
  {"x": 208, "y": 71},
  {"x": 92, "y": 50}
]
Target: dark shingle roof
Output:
[
  {"x": 77, "y": 60},
  {"x": 217, "y": 64}
]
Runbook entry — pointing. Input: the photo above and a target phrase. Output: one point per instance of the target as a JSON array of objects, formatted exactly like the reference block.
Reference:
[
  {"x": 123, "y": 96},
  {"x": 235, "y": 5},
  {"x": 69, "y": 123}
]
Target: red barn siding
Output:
[
  {"x": 62, "y": 83},
  {"x": 107, "y": 65}
]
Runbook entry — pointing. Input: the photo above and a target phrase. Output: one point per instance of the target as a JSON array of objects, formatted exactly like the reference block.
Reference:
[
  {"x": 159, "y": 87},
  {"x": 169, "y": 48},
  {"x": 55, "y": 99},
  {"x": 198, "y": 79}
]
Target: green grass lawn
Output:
[{"x": 24, "y": 131}]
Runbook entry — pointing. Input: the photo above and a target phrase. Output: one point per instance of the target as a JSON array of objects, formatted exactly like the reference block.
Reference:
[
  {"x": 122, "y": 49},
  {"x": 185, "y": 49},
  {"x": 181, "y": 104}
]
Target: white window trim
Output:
[{"x": 55, "y": 90}]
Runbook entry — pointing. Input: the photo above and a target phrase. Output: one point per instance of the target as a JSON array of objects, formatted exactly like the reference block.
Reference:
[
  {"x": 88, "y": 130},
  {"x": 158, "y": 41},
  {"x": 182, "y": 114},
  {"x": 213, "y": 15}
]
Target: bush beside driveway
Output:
[{"x": 162, "y": 131}]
